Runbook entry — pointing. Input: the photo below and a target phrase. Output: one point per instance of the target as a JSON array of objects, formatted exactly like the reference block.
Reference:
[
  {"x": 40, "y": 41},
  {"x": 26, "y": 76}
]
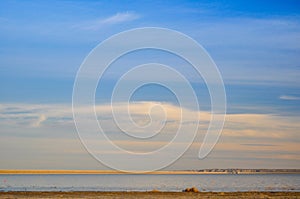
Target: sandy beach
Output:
[{"x": 131, "y": 195}]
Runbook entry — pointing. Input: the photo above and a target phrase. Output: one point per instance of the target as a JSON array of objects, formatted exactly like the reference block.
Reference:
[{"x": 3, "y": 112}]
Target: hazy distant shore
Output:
[
  {"x": 107, "y": 195},
  {"x": 212, "y": 171}
]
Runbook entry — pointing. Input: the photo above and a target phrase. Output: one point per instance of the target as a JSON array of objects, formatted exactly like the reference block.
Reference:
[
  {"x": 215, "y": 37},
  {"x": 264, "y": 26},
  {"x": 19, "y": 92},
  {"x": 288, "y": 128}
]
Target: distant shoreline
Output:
[{"x": 201, "y": 172}]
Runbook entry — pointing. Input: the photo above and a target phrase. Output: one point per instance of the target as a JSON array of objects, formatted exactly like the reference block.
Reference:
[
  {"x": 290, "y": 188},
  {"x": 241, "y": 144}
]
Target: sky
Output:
[{"x": 255, "y": 45}]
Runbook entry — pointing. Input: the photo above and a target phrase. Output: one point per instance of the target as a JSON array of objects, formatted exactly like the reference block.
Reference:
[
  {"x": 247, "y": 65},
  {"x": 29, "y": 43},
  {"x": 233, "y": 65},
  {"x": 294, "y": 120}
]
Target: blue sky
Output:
[{"x": 255, "y": 44}]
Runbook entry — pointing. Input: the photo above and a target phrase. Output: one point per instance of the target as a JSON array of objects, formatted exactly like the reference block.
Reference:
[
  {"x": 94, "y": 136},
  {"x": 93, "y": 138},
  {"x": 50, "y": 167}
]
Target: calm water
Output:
[{"x": 268, "y": 182}]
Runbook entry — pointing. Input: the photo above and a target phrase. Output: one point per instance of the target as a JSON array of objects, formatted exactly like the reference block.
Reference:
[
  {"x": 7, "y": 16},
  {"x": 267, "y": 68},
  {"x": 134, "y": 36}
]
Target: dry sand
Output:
[{"x": 116, "y": 195}]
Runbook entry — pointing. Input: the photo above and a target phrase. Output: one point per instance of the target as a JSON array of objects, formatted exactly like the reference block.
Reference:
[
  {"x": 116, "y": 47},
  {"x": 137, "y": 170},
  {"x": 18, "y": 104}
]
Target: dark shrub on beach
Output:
[{"x": 193, "y": 189}]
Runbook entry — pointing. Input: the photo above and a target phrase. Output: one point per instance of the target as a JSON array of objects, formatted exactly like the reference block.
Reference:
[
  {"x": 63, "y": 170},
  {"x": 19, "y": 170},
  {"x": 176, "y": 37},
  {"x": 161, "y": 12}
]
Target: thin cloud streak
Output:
[
  {"x": 289, "y": 97},
  {"x": 118, "y": 18},
  {"x": 39, "y": 121}
]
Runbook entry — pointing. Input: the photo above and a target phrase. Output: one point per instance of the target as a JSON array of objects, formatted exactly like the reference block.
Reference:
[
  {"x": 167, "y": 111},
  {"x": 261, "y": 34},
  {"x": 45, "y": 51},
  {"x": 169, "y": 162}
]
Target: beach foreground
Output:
[{"x": 90, "y": 195}]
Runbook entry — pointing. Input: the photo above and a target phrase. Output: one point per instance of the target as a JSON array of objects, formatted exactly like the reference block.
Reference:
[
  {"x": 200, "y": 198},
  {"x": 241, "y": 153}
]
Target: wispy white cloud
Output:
[
  {"x": 289, "y": 97},
  {"x": 118, "y": 18},
  {"x": 38, "y": 122}
]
